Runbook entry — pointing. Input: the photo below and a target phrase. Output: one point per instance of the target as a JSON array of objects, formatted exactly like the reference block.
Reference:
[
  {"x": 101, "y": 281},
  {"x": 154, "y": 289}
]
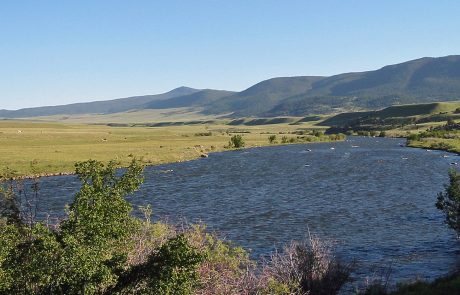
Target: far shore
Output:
[{"x": 52, "y": 149}]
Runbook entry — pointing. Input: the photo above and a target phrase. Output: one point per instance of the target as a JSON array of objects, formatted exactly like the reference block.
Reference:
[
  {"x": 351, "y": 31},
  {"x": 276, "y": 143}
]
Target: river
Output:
[{"x": 372, "y": 197}]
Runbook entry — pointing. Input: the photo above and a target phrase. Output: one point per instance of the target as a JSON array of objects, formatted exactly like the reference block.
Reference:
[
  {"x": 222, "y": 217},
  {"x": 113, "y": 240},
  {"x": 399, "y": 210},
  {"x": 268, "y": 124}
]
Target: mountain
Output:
[
  {"x": 423, "y": 80},
  {"x": 97, "y": 107},
  {"x": 418, "y": 81},
  {"x": 261, "y": 97},
  {"x": 195, "y": 99}
]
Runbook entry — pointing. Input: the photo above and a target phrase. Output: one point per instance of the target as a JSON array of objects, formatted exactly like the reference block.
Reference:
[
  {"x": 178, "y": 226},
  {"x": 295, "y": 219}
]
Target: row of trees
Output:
[{"x": 315, "y": 137}]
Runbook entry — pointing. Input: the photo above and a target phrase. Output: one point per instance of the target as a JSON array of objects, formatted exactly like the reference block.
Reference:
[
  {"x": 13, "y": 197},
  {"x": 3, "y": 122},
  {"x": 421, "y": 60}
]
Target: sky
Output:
[{"x": 60, "y": 52}]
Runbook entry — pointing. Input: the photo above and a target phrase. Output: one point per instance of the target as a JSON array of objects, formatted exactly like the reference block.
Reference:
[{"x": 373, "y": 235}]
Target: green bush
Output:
[
  {"x": 363, "y": 133},
  {"x": 449, "y": 285},
  {"x": 236, "y": 141},
  {"x": 170, "y": 270},
  {"x": 317, "y": 133},
  {"x": 414, "y": 137},
  {"x": 89, "y": 252},
  {"x": 449, "y": 201},
  {"x": 209, "y": 133},
  {"x": 338, "y": 136}
]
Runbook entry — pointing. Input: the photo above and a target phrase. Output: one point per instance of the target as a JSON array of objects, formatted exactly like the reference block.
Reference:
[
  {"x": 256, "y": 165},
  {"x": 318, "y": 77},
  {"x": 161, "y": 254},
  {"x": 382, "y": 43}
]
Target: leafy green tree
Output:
[
  {"x": 100, "y": 210},
  {"x": 449, "y": 201},
  {"x": 32, "y": 264},
  {"x": 236, "y": 141},
  {"x": 96, "y": 233},
  {"x": 9, "y": 239},
  {"x": 88, "y": 253}
]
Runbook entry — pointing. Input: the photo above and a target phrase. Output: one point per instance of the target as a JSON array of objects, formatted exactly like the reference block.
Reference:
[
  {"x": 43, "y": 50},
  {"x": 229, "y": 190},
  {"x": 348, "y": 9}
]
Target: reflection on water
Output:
[{"x": 374, "y": 198}]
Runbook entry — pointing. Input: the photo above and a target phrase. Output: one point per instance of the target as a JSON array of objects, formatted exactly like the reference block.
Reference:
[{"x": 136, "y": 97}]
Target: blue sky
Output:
[{"x": 58, "y": 52}]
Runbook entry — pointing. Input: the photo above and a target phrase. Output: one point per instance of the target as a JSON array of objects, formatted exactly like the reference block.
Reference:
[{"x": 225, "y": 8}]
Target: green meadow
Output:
[{"x": 40, "y": 148}]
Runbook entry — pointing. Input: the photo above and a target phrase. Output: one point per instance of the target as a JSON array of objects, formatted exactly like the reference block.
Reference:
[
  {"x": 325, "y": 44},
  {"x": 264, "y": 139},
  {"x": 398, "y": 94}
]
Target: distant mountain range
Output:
[
  {"x": 418, "y": 81},
  {"x": 97, "y": 107}
]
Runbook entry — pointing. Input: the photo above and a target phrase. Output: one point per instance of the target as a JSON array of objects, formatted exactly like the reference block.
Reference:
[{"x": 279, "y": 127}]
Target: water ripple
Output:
[{"x": 375, "y": 200}]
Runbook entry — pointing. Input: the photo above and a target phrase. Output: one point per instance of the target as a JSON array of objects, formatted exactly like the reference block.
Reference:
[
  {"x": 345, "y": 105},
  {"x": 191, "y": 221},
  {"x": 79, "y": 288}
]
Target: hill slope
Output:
[
  {"x": 97, "y": 107},
  {"x": 262, "y": 96},
  {"x": 416, "y": 81},
  {"x": 200, "y": 98},
  {"x": 415, "y": 111},
  {"x": 422, "y": 80}
]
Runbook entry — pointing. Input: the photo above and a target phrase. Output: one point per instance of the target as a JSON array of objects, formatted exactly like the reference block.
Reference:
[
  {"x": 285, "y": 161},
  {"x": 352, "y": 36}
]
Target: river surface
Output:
[{"x": 372, "y": 197}]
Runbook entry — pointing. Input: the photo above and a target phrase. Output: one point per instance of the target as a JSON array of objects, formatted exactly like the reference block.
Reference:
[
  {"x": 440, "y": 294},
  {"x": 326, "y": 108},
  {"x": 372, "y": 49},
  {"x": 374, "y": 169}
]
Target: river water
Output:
[{"x": 373, "y": 198}]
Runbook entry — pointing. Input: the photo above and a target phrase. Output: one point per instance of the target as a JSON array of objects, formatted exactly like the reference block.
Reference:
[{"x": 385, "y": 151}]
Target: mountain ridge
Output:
[
  {"x": 97, "y": 107},
  {"x": 423, "y": 80}
]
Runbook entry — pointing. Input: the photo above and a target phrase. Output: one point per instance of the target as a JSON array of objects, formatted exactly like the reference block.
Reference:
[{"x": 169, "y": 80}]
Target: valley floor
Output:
[{"x": 38, "y": 148}]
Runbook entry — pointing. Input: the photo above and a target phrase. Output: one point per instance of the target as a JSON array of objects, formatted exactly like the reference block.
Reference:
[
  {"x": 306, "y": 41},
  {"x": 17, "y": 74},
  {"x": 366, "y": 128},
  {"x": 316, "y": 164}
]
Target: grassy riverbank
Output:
[
  {"x": 53, "y": 148},
  {"x": 449, "y": 145},
  {"x": 444, "y": 137},
  {"x": 442, "y": 286},
  {"x": 429, "y": 126}
]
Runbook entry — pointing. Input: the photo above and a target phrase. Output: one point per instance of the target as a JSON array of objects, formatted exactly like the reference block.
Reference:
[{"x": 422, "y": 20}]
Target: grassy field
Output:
[
  {"x": 134, "y": 116},
  {"x": 54, "y": 147},
  {"x": 451, "y": 144}
]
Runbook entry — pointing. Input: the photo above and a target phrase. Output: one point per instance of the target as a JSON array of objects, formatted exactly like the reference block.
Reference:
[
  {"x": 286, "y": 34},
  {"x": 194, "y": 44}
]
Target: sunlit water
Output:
[{"x": 372, "y": 197}]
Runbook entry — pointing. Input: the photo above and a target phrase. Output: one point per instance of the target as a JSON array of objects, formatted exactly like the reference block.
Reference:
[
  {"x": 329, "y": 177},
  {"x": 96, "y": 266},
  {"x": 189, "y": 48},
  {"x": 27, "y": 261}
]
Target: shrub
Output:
[
  {"x": 226, "y": 269},
  {"x": 100, "y": 248},
  {"x": 339, "y": 136},
  {"x": 272, "y": 139},
  {"x": 209, "y": 133},
  {"x": 317, "y": 133},
  {"x": 414, "y": 137},
  {"x": 363, "y": 133},
  {"x": 448, "y": 285},
  {"x": 170, "y": 270},
  {"x": 236, "y": 141},
  {"x": 308, "y": 268},
  {"x": 449, "y": 201}
]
